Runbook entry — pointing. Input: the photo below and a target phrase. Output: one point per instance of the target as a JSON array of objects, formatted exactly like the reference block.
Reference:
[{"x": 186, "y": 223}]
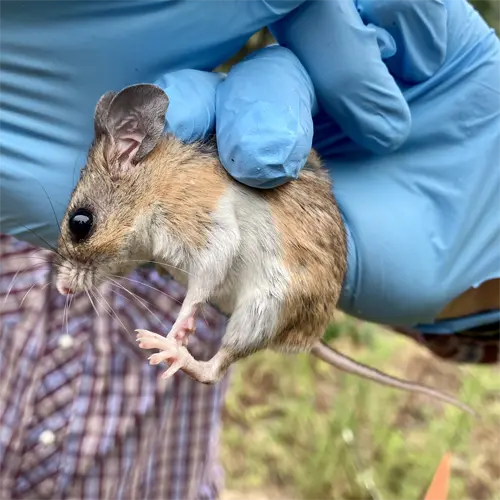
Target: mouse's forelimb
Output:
[{"x": 208, "y": 269}]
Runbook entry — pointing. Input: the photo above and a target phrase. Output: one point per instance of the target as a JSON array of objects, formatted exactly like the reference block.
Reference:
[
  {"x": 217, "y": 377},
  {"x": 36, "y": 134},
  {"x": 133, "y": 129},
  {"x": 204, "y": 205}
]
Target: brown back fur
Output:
[{"x": 315, "y": 254}]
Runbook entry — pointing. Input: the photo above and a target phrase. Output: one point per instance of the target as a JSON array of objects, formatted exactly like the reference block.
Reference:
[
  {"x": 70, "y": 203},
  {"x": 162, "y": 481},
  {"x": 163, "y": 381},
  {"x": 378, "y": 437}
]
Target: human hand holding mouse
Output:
[{"x": 420, "y": 213}]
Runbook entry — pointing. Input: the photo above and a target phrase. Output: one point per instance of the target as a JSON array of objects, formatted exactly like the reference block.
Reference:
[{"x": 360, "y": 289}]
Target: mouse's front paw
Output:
[
  {"x": 170, "y": 350},
  {"x": 183, "y": 329}
]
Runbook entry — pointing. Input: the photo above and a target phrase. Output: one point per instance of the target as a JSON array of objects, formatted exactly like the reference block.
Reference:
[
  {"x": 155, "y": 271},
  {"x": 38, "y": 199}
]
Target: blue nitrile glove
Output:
[
  {"x": 58, "y": 58},
  {"x": 421, "y": 213}
]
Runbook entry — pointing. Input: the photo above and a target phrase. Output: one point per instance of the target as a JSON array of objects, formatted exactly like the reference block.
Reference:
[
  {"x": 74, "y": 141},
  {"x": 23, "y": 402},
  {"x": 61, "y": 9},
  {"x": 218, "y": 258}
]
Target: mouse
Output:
[{"x": 272, "y": 261}]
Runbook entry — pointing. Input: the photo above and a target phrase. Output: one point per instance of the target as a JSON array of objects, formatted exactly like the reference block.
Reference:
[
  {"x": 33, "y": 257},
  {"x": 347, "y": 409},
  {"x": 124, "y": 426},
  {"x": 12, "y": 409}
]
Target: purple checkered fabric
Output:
[{"x": 82, "y": 413}]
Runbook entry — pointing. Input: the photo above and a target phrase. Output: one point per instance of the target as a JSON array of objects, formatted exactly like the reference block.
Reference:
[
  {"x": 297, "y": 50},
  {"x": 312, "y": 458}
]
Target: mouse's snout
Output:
[
  {"x": 71, "y": 280},
  {"x": 65, "y": 285}
]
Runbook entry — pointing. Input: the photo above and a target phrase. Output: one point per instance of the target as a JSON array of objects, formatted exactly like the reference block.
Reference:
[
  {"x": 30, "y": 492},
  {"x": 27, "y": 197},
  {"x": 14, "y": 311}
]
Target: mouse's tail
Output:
[{"x": 326, "y": 353}]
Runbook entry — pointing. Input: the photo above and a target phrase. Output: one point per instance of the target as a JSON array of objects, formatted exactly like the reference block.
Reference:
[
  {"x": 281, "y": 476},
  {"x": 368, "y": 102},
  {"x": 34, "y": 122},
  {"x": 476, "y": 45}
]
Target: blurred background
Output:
[{"x": 294, "y": 428}]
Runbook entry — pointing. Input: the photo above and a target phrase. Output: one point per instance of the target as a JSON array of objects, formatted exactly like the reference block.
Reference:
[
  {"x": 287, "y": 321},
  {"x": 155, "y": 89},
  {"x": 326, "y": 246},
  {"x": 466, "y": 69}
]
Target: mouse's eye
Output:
[{"x": 80, "y": 224}]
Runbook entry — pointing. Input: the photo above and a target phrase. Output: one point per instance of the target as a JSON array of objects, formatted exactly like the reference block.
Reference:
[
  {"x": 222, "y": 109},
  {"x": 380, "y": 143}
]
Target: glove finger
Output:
[
  {"x": 351, "y": 81},
  {"x": 386, "y": 43},
  {"x": 264, "y": 118},
  {"x": 419, "y": 29},
  {"x": 191, "y": 109}
]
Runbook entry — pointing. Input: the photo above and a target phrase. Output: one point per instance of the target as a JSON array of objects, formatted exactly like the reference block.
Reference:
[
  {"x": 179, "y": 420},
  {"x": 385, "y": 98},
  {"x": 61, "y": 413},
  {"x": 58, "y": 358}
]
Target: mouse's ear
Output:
[
  {"x": 134, "y": 120},
  {"x": 101, "y": 113}
]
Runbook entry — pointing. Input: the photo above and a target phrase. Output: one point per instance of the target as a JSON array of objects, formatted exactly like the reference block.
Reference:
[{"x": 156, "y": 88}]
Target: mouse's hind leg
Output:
[
  {"x": 250, "y": 329},
  {"x": 179, "y": 358}
]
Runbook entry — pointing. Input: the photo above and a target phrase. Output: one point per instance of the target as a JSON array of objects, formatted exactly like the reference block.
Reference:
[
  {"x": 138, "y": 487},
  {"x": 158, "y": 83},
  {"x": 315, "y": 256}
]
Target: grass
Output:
[{"x": 297, "y": 429}]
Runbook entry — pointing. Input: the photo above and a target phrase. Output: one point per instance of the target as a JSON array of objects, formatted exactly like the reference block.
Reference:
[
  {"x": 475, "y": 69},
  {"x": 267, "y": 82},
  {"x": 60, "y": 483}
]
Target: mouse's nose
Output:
[{"x": 67, "y": 291}]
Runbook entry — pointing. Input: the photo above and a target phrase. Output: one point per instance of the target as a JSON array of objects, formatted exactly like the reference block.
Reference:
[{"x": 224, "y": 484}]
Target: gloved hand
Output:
[
  {"x": 422, "y": 218},
  {"x": 58, "y": 58}
]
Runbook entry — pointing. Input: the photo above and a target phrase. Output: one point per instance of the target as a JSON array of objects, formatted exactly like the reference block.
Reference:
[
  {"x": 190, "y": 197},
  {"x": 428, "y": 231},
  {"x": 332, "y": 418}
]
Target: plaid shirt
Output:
[{"x": 82, "y": 413}]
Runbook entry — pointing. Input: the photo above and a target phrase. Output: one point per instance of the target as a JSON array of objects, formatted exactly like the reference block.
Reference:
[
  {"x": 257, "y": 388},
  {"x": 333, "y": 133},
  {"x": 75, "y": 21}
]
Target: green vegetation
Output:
[
  {"x": 297, "y": 429},
  {"x": 490, "y": 10}
]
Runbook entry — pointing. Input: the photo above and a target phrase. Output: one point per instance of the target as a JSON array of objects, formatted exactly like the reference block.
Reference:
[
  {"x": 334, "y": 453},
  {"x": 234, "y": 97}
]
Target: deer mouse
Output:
[{"x": 273, "y": 261}]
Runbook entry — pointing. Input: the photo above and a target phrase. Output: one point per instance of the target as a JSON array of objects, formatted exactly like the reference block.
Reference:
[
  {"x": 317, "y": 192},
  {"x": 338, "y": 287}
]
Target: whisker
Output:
[
  {"x": 160, "y": 291},
  {"x": 112, "y": 310},
  {"x": 41, "y": 238},
  {"x": 45, "y": 286},
  {"x": 156, "y": 262},
  {"x": 26, "y": 294},
  {"x": 74, "y": 169},
  {"x": 54, "y": 212},
  {"x": 92, "y": 302},
  {"x": 124, "y": 298},
  {"x": 11, "y": 285},
  {"x": 96, "y": 298},
  {"x": 69, "y": 306},
  {"x": 41, "y": 290},
  {"x": 29, "y": 253},
  {"x": 142, "y": 302},
  {"x": 65, "y": 318},
  {"x": 146, "y": 285},
  {"x": 138, "y": 299},
  {"x": 107, "y": 307},
  {"x": 31, "y": 288},
  {"x": 26, "y": 257}
]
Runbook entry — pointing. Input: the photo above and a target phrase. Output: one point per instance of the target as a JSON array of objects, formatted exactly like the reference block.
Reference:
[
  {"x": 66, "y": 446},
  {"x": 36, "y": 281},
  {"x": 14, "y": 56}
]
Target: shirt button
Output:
[
  {"x": 47, "y": 437},
  {"x": 66, "y": 341}
]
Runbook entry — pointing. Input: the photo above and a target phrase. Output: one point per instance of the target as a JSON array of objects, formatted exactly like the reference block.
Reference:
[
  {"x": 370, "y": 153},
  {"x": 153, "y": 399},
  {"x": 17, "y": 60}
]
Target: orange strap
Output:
[{"x": 438, "y": 490}]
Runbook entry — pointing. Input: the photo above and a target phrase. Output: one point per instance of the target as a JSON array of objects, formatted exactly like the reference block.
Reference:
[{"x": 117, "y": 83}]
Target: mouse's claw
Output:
[{"x": 150, "y": 340}]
